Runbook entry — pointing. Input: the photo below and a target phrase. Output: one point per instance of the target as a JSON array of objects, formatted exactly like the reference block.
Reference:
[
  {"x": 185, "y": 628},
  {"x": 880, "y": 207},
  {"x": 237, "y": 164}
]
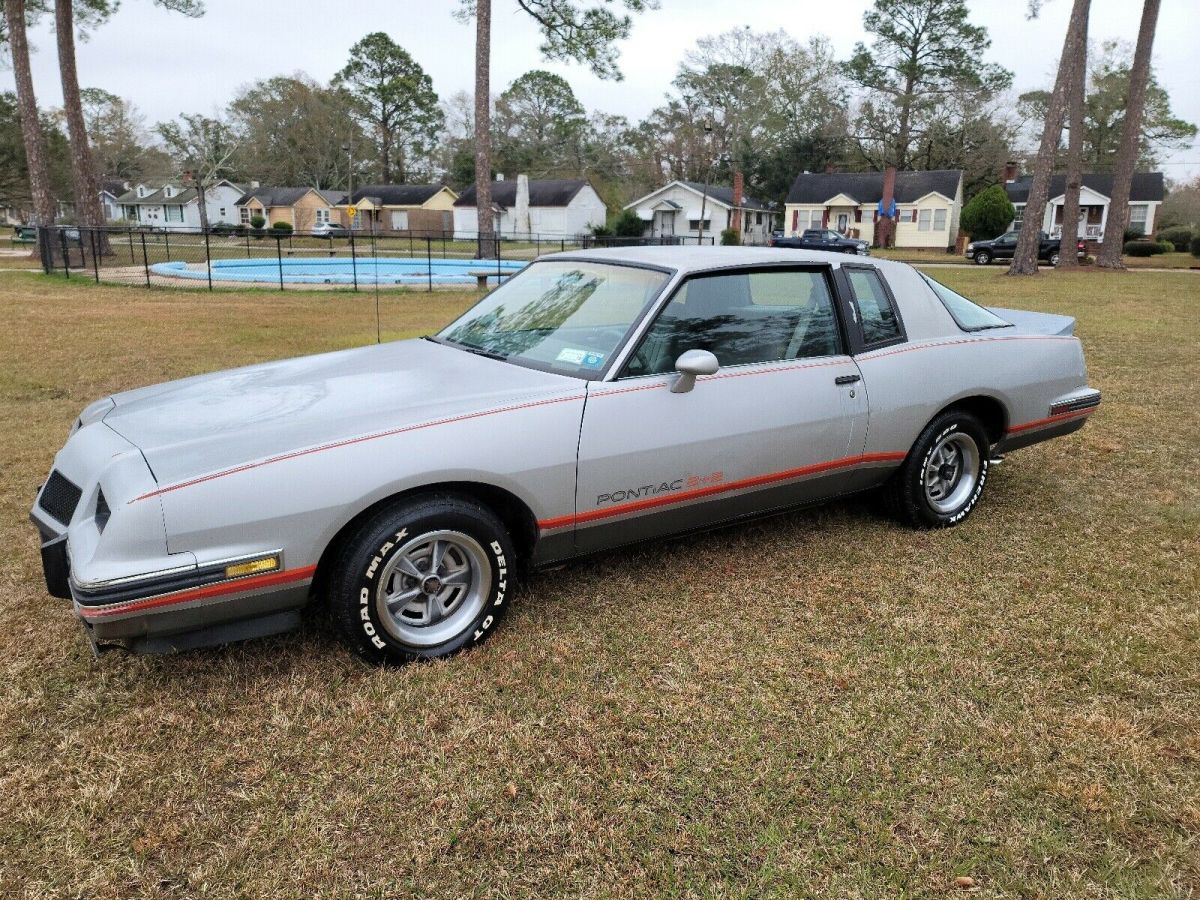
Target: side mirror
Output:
[{"x": 690, "y": 364}]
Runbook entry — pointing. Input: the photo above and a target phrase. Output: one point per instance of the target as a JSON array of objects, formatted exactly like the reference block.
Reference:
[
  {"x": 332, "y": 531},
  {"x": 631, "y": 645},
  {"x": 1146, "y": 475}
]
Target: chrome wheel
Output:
[
  {"x": 433, "y": 587},
  {"x": 1053, "y": 259},
  {"x": 951, "y": 472}
]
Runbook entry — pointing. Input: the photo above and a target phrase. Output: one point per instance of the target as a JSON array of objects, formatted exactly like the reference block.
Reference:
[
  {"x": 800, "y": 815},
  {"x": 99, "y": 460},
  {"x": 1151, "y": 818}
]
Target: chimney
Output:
[
  {"x": 1010, "y": 172},
  {"x": 521, "y": 224},
  {"x": 739, "y": 190},
  {"x": 254, "y": 185},
  {"x": 885, "y": 227}
]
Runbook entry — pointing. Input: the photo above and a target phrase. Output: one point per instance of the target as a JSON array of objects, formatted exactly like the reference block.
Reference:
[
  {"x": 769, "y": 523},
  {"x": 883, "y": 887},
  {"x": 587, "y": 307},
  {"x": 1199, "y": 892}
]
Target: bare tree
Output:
[
  {"x": 485, "y": 224},
  {"x": 31, "y": 126},
  {"x": 1118, "y": 208},
  {"x": 204, "y": 150},
  {"x": 1078, "y": 90},
  {"x": 1026, "y": 255}
]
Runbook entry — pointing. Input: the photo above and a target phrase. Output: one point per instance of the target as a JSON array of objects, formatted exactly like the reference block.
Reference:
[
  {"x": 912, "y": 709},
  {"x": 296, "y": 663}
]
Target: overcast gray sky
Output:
[{"x": 167, "y": 64}]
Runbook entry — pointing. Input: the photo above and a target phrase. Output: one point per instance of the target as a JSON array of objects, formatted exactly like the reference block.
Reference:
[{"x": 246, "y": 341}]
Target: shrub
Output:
[
  {"x": 1195, "y": 246},
  {"x": 627, "y": 225},
  {"x": 1167, "y": 246},
  {"x": 730, "y": 238},
  {"x": 1134, "y": 234},
  {"x": 1179, "y": 236},
  {"x": 601, "y": 231},
  {"x": 257, "y": 221},
  {"x": 282, "y": 227},
  {"x": 988, "y": 213},
  {"x": 1142, "y": 248}
]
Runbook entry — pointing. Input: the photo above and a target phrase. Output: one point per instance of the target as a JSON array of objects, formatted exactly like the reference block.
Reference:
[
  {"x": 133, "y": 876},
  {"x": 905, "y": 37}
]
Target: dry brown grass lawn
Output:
[{"x": 820, "y": 704}]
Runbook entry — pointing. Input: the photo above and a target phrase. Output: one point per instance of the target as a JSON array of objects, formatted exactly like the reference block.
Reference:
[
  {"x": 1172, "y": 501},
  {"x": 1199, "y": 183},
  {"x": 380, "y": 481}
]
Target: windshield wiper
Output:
[{"x": 470, "y": 348}]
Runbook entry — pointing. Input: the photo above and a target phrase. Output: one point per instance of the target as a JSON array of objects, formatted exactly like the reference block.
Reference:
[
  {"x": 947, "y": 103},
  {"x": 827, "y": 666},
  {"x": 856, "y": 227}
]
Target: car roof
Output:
[{"x": 700, "y": 259}]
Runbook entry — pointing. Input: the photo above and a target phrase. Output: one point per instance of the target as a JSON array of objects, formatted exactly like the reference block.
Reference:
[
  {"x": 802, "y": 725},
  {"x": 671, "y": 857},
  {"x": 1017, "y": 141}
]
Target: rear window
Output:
[
  {"x": 969, "y": 316},
  {"x": 879, "y": 321}
]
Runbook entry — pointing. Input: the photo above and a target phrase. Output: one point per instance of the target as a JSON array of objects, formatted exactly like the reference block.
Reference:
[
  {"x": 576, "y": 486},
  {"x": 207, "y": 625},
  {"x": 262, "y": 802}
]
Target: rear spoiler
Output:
[{"x": 1035, "y": 322}]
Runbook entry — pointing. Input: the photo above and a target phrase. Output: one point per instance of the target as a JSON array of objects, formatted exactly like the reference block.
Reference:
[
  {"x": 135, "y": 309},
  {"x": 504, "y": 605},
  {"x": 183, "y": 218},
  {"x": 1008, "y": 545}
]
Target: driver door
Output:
[{"x": 781, "y": 423}]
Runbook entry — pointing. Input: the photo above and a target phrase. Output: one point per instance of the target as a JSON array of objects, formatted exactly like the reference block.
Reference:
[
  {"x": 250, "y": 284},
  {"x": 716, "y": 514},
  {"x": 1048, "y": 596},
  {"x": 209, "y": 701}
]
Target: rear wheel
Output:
[
  {"x": 1054, "y": 258},
  {"x": 982, "y": 257},
  {"x": 422, "y": 579},
  {"x": 942, "y": 479}
]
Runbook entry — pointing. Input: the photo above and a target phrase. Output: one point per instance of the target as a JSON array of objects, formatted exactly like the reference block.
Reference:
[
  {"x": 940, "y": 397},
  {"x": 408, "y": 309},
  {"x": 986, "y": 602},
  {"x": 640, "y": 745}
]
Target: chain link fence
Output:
[{"x": 225, "y": 257}]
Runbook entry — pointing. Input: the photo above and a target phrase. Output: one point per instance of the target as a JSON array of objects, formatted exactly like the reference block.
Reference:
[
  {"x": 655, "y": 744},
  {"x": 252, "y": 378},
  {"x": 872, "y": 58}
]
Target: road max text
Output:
[{"x": 686, "y": 483}]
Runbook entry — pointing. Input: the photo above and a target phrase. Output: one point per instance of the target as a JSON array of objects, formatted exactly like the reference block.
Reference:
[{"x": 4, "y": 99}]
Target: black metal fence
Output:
[{"x": 268, "y": 258}]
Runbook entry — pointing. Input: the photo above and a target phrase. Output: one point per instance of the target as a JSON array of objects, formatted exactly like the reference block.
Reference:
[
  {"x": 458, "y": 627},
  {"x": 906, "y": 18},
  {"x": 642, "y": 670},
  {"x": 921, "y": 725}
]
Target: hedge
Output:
[
  {"x": 1179, "y": 237},
  {"x": 1143, "y": 248}
]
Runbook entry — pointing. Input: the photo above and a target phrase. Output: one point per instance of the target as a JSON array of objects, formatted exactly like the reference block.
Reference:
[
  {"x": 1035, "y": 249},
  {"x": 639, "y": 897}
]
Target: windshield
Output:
[
  {"x": 969, "y": 315},
  {"x": 559, "y": 315}
]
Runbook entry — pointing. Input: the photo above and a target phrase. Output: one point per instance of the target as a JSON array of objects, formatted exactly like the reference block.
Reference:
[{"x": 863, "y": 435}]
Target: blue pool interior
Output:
[{"x": 334, "y": 270}]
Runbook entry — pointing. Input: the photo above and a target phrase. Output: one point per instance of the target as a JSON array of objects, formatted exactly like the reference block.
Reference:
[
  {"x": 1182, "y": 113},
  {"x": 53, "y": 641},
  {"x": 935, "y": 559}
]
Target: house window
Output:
[
  {"x": 923, "y": 219},
  {"x": 400, "y": 220},
  {"x": 694, "y": 224},
  {"x": 1020, "y": 214},
  {"x": 1137, "y": 217},
  {"x": 172, "y": 213},
  {"x": 322, "y": 216},
  {"x": 939, "y": 220},
  {"x": 222, "y": 212},
  {"x": 758, "y": 218},
  {"x": 816, "y": 219},
  {"x": 245, "y": 215}
]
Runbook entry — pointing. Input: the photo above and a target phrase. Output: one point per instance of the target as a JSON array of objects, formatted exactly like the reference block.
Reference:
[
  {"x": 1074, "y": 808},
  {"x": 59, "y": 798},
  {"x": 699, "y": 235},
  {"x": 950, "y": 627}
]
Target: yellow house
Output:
[
  {"x": 928, "y": 205},
  {"x": 425, "y": 210},
  {"x": 303, "y": 208}
]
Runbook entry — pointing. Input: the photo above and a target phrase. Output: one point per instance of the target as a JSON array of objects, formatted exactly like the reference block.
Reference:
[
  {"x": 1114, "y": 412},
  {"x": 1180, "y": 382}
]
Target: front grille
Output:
[{"x": 59, "y": 498}]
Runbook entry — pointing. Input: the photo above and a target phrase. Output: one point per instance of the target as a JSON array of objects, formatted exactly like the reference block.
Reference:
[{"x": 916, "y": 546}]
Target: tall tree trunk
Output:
[
  {"x": 1070, "y": 223},
  {"x": 31, "y": 125},
  {"x": 1131, "y": 133},
  {"x": 202, "y": 202},
  {"x": 483, "y": 129},
  {"x": 1025, "y": 258},
  {"x": 83, "y": 175}
]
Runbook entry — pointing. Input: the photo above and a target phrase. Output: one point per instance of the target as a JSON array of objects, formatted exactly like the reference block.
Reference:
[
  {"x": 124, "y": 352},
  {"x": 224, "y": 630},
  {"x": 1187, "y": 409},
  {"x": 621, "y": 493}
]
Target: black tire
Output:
[
  {"x": 1053, "y": 259},
  {"x": 982, "y": 257},
  {"x": 368, "y": 559},
  {"x": 906, "y": 495}
]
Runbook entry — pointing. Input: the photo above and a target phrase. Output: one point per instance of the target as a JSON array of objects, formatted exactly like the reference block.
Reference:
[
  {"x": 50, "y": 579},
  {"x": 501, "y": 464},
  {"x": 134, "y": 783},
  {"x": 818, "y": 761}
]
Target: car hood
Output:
[{"x": 211, "y": 422}]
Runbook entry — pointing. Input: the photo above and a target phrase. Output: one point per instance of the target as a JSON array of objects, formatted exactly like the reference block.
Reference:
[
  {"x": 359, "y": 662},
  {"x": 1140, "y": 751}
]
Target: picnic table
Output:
[{"x": 24, "y": 234}]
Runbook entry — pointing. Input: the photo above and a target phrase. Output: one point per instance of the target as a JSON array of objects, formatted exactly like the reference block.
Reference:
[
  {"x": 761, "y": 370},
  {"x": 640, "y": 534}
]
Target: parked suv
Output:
[
  {"x": 1003, "y": 247},
  {"x": 823, "y": 239}
]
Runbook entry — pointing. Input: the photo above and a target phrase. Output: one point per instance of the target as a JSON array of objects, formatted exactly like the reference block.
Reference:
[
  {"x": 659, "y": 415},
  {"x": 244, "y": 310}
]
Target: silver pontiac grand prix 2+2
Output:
[{"x": 595, "y": 399}]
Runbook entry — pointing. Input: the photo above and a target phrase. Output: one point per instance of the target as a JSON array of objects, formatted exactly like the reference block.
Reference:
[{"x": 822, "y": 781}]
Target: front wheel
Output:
[
  {"x": 982, "y": 257},
  {"x": 422, "y": 579},
  {"x": 1054, "y": 258},
  {"x": 943, "y": 476}
]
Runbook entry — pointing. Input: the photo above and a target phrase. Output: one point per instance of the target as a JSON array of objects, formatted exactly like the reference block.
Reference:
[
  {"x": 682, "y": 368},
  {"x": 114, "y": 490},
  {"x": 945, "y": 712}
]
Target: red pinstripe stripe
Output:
[
  {"x": 755, "y": 481},
  {"x": 236, "y": 586},
  {"x": 348, "y": 442},
  {"x": 1050, "y": 420}
]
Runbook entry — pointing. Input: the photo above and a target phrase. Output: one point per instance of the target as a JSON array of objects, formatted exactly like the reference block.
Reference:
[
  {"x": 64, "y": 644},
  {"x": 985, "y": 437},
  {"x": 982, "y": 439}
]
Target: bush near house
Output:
[
  {"x": 1143, "y": 248},
  {"x": 1179, "y": 236},
  {"x": 1195, "y": 246},
  {"x": 988, "y": 213},
  {"x": 257, "y": 221},
  {"x": 601, "y": 231},
  {"x": 1133, "y": 234},
  {"x": 282, "y": 227},
  {"x": 627, "y": 224},
  {"x": 730, "y": 238}
]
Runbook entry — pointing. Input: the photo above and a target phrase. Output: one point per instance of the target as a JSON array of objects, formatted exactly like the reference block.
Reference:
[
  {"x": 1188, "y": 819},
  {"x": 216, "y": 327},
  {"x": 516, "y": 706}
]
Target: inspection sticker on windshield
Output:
[{"x": 585, "y": 358}]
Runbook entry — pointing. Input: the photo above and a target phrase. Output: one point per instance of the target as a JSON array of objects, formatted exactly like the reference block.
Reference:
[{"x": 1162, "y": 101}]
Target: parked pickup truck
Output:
[
  {"x": 823, "y": 239},
  {"x": 1003, "y": 247}
]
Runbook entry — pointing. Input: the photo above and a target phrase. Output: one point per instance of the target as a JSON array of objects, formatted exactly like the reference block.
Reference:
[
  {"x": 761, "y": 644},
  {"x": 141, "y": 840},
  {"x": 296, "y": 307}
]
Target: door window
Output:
[
  {"x": 879, "y": 320},
  {"x": 742, "y": 318}
]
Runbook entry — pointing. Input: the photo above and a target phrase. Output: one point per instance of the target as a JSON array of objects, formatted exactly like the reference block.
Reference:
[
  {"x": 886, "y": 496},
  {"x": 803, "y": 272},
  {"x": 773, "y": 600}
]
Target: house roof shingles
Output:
[
  {"x": 723, "y": 194},
  {"x": 287, "y": 196},
  {"x": 396, "y": 194},
  {"x": 867, "y": 187},
  {"x": 542, "y": 192},
  {"x": 1145, "y": 186}
]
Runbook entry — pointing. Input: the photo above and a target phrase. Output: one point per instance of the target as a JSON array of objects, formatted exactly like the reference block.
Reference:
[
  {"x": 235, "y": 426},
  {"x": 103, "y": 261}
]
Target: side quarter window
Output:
[{"x": 880, "y": 323}]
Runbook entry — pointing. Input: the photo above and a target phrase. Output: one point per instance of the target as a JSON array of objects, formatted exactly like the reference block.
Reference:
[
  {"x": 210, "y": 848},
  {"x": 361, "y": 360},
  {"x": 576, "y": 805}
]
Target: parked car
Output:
[
  {"x": 329, "y": 229},
  {"x": 1003, "y": 247},
  {"x": 823, "y": 239},
  {"x": 596, "y": 399}
]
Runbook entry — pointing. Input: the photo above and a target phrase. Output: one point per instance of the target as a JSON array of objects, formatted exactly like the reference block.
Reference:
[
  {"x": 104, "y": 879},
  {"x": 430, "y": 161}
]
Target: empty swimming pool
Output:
[{"x": 335, "y": 270}]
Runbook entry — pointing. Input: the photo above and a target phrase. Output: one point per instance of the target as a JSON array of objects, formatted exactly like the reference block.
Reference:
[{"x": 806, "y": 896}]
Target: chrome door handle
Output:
[{"x": 847, "y": 379}]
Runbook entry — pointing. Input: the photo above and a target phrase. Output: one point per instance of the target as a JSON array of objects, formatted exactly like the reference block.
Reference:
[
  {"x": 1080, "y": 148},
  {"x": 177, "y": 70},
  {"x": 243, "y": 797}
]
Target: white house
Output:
[
  {"x": 1146, "y": 192},
  {"x": 110, "y": 194},
  {"x": 173, "y": 207},
  {"x": 556, "y": 208},
  {"x": 674, "y": 209},
  {"x": 928, "y": 205}
]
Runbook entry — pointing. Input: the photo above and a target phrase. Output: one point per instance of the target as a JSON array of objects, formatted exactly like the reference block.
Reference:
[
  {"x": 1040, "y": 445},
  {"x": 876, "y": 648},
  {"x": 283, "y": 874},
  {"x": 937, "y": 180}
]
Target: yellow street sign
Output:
[{"x": 351, "y": 212}]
